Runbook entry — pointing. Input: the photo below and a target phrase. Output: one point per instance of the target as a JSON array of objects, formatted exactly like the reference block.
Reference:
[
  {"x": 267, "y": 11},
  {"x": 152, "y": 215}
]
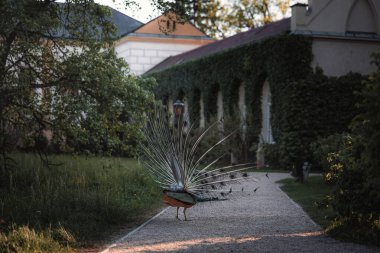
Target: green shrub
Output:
[
  {"x": 272, "y": 155},
  {"x": 355, "y": 230},
  {"x": 355, "y": 169},
  {"x": 324, "y": 149},
  {"x": 313, "y": 108}
]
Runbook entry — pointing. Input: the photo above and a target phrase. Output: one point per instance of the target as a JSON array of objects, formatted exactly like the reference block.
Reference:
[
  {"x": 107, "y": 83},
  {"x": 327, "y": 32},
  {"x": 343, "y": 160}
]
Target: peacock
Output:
[{"x": 171, "y": 154}]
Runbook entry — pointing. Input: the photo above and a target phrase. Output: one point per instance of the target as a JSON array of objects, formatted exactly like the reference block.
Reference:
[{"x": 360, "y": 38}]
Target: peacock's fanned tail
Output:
[{"x": 171, "y": 154}]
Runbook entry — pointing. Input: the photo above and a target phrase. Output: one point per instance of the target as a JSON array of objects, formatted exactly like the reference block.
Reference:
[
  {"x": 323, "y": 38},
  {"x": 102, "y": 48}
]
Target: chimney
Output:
[{"x": 298, "y": 16}]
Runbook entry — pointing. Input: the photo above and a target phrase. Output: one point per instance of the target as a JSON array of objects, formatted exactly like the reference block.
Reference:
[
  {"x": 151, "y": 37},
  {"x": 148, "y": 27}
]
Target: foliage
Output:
[
  {"x": 324, "y": 153},
  {"x": 353, "y": 230},
  {"x": 250, "y": 14},
  {"x": 366, "y": 125},
  {"x": 85, "y": 195},
  {"x": 315, "y": 107},
  {"x": 209, "y": 17},
  {"x": 354, "y": 168},
  {"x": 26, "y": 240},
  {"x": 61, "y": 77},
  {"x": 355, "y": 199},
  {"x": 309, "y": 196},
  {"x": 272, "y": 155}
]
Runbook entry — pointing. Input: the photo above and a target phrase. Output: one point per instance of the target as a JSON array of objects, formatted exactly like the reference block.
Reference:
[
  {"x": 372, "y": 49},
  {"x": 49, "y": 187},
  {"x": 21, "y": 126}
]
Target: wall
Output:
[
  {"x": 155, "y": 41},
  {"x": 142, "y": 56},
  {"x": 337, "y": 16},
  {"x": 345, "y": 33},
  {"x": 338, "y": 57}
]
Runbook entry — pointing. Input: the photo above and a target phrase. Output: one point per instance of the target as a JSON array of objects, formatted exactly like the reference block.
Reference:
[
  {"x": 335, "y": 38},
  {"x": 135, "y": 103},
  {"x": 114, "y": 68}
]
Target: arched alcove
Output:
[
  {"x": 362, "y": 18},
  {"x": 232, "y": 98},
  {"x": 214, "y": 102},
  {"x": 211, "y": 101},
  {"x": 201, "y": 105}
]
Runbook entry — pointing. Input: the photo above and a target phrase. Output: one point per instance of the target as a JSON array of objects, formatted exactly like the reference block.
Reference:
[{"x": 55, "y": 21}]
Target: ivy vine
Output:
[{"x": 301, "y": 99}]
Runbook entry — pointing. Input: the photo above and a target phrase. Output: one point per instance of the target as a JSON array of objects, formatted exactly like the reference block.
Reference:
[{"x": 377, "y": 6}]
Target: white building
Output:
[{"x": 149, "y": 44}]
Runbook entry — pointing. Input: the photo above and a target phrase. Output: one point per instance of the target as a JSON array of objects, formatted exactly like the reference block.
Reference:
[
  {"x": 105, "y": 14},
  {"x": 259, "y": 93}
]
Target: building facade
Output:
[
  {"x": 343, "y": 34},
  {"x": 163, "y": 37}
]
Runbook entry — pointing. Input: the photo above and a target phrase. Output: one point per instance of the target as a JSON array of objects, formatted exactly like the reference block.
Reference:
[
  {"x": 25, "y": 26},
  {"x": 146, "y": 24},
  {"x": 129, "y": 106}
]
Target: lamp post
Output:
[{"x": 179, "y": 109}]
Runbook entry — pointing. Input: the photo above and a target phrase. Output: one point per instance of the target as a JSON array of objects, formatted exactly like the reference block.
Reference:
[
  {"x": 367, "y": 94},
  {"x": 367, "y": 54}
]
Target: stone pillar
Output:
[
  {"x": 220, "y": 111},
  {"x": 266, "y": 128},
  {"x": 170, "y": 110},
  {"x": 266, "y": 103},
  {"x": 260, "y": 158},
  {"x": 242, "y": 112},
  {"x": 202, "y": 120},
  {"x": 243, "y": 120},
  {"x": 186, "y": 116}
]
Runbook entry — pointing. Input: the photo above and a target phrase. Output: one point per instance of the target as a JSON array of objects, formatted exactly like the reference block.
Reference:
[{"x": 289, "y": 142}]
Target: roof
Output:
[
  {"x": 123, "y": 23},
  {"x": 251, "y": 36}
]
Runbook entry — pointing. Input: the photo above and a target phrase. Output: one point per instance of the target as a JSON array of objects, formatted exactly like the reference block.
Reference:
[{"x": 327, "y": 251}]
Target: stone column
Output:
[
  {"x": 266, "y": 128},
  {"x": 220, "y": 111},
  {"x": 186, "y": 116},
  {"x": 170, "y": 110},
  {"x": 243, "y": 120},
  {"x": 242, "y": 112},
  {"x": 202, "y": 120}
]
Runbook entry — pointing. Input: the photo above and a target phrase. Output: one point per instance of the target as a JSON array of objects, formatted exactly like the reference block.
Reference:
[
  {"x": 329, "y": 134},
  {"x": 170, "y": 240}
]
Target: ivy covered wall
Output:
[{"x": 302, "y": 101}]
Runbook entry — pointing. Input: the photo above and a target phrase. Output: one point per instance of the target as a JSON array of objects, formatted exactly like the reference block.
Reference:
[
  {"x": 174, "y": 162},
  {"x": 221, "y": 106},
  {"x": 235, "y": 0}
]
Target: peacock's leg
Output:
[
  {"x": 184, "y": 213},
  {"x": 177, "y": 213}
]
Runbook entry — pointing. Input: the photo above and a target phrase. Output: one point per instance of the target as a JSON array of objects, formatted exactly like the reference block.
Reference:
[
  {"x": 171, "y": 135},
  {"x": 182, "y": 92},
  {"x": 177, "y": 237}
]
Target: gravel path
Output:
[{"x": 262, "y": 221}]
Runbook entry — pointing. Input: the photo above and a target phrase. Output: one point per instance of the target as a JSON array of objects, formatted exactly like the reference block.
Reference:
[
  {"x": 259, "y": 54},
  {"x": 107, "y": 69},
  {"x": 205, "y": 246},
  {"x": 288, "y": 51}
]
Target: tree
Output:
[
  {"x": 59, "y": 74},
  {"x": 245, "y": 14}
]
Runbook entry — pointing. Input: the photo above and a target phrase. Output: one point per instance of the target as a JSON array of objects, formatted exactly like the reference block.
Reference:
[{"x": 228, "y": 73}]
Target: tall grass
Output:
[{"x": 82, "y": 195}]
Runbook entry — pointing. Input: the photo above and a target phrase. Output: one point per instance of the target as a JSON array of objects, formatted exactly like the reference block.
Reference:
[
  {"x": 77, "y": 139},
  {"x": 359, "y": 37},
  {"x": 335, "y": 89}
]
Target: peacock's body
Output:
[{"x": 171, "y": 154}]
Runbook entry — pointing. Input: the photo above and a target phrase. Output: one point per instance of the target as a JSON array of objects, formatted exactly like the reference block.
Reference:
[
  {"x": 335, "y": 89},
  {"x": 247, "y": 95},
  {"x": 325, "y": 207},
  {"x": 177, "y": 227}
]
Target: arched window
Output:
[{"x": 361, "y": 18}]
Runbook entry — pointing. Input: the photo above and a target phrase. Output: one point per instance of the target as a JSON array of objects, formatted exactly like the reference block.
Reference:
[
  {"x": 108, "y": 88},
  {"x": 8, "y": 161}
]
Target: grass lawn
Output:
[
  {"x": 307, "y": 195},
  {"x": 81, "y": 196}
]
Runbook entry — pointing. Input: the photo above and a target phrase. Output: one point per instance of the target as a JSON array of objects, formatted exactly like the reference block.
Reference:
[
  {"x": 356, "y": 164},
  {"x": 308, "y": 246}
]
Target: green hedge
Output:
[
  {"x": 302, "y": 101},
  {"x": 315, "y": 107}
]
